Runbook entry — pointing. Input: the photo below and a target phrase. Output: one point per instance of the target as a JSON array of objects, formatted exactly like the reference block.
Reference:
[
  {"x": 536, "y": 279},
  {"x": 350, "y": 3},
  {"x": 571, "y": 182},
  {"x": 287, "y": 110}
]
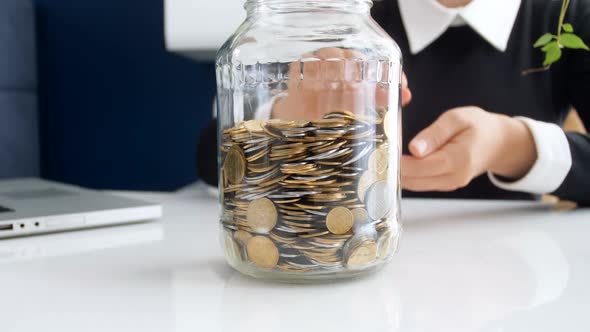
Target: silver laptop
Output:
[{"x": 34, "y": 206}]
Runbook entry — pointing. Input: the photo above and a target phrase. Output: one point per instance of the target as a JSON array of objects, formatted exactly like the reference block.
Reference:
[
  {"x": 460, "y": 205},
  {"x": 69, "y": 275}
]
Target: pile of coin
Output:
[{"x": 310, "y": 196}]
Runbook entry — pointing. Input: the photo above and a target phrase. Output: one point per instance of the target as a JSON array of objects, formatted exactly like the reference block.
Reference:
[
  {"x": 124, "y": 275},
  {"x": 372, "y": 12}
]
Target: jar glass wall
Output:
[{"x": 309, "y": 141}]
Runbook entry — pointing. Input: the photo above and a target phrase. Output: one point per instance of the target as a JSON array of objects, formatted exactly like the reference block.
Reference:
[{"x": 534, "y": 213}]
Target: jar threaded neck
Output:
[{"x": 358, "y": 6}]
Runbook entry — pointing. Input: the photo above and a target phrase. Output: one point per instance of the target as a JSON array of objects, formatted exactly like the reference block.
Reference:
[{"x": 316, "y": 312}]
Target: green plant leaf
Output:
[
  {"x": 570, "y": 40},
  {"x": 568, "y": 27},
  {"x": 550, "y": 45},
  {"x": 543, "y": 40},
  {"x": 552, "y": 53}
]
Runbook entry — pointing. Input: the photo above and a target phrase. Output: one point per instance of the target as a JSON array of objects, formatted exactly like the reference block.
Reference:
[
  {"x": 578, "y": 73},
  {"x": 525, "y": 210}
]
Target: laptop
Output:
[{"x": 34, "y": 206}]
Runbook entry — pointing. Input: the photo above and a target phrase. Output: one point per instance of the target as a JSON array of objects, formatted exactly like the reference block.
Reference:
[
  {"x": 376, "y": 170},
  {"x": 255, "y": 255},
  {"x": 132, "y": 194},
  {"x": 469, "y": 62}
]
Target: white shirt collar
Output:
[{"x": 426, "y": 20}]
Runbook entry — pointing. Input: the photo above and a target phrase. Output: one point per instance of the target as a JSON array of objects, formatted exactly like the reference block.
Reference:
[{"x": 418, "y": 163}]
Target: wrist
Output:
[{"x": 517, "y": 152}]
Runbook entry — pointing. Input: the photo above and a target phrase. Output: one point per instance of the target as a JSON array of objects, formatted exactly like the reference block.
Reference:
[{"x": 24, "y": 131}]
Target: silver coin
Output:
[
  {"x": 293, "y": 194},
  {"x": 252, "y": 197},
  {"x": 259, "y": 140},
  {"x": 331, "y": 131},
  {"x": 255, "y": 148},
  {"x": 317, "y": 213},
  {"x": 336, "y": 153},
  {"x": 326, "y": 264},
  {"x": 261, "y": 178},
  {"x": 288, "y": 165},
  {"x": 322, "y": 155},
  {"x": 294, "y": 134},
  {"x": 311, "y": 178},
  {"x": 286, "y": 229},
  {"x": 300, "y": 265},
  {"x": 299, "y": 129},
  {"x": 379, "y": 199},
  {"x": 286, "y": 255},
  {"x": 324, "y": 245},
  {"x": 358, "y": 156},
  {"x": 355, "y": 144}
]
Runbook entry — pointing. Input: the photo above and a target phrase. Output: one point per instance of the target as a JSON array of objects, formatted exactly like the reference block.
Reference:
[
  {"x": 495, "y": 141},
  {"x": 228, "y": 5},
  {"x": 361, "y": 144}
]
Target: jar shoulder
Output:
[{"x": 260, "y": 41}]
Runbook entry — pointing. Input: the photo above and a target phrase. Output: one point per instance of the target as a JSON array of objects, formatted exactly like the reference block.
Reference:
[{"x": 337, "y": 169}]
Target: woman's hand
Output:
[
  {"x": 462, "y": 144},
  {"x": 331, "y": 84}
]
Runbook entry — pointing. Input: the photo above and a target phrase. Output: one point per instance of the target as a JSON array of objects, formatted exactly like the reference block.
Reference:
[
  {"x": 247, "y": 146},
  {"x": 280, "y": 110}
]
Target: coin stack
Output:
[{"x": 310, "y": 196}]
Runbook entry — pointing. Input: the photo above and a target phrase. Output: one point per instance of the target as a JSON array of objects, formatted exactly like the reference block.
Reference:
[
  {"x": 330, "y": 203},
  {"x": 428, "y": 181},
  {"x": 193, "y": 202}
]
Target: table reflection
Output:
[
  {"x": 436, "y": 283},
  {"x": 78, "y": 242}
]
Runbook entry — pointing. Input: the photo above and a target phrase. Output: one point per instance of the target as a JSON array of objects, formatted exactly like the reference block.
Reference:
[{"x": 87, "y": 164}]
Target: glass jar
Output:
[{"x": 309, "y": 141}]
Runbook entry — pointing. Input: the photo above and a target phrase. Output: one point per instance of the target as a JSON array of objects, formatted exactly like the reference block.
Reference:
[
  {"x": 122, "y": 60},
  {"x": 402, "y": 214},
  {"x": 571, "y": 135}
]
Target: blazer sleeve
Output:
[{"x": 576, "y": 186}]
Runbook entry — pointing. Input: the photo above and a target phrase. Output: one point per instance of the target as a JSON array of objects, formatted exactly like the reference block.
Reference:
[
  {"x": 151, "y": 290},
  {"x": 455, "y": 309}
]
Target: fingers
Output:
[
  {"x": 436, "y": 164},
  {"x": 447, "y": 126},
  {"x": 445, "y": 170},
  {"x": 435, "y": 183},
  {"x": 406, "y": 93}
]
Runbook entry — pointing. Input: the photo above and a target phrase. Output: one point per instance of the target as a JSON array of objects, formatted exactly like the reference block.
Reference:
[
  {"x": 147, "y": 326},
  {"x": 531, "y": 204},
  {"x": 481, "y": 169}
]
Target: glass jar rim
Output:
[{"x": 287, "y": 5}]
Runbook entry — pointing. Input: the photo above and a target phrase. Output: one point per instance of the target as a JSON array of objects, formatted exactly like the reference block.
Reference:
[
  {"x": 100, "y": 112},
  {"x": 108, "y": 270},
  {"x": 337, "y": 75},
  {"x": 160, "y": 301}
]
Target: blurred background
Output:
[
  {"x": 90, "y": 94},
  {"x": 111, "y": 94}
]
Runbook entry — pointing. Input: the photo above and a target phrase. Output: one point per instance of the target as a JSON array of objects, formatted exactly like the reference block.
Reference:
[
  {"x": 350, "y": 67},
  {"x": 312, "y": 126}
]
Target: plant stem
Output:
[
  {"x": 564, "y": 5},
  {"x": 534, "y": 70}
]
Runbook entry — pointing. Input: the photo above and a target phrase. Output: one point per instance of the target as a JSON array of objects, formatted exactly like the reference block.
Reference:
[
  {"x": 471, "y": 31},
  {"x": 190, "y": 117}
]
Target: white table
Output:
[{"x": 463, "y": 266}]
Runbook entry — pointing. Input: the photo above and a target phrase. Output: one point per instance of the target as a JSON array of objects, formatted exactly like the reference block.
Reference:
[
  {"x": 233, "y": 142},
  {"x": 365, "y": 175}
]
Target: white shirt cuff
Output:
[{"x": 553, "y": 162}]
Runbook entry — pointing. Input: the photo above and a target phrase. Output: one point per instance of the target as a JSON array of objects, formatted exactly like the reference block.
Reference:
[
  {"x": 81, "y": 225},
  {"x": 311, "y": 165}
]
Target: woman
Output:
[
  {"x": 476, "y": 127},
  {"x": 464, "y": 59}
]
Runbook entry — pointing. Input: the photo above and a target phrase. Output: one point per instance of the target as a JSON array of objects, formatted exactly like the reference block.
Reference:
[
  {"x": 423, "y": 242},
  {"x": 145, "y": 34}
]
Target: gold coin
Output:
[
  {"x": 232, "y": 249},
  {"x": 361, "y": 216},
  {"x": 279, "y": 123},
  {"x": 339, "y": 220},
  {"x": 329, "y": 123},
  {"x": 242, "y": 237},
  {"x": 262, "y": 252},
  {"x": 234, "y": 165},
  {"x": 362, "y": 255},
  {"x": 253, "y": 126},
  {"x": 262, "y": 215},
  {"x": 379, "y": 160}
]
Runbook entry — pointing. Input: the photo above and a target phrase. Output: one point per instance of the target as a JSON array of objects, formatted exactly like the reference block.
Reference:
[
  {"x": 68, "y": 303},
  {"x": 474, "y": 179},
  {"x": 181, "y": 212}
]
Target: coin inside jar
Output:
[
  {"x": 262, "y": 215},
  {"x": 379, "y": 200},
  {"x": 262, "y": 252},
  {"x": 379, "y": 160},
  {"x": 361, "y": 216},
  {"x": 231, "y": 247},
  {"x": 384, "y": 246},
  {"x": 234, "y": 166},
  {"x": 339, "y": 220},
  {"x": 361, "y": 255},
  {"x": 254, "y": 126},
  {"x": 305, "y": 196},
  {"x": 366, "y": 181},
  {"x": 242, "y": 237}
]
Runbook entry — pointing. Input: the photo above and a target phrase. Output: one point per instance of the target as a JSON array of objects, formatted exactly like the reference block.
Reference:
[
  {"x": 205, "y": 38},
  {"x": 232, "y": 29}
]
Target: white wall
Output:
[{"x": 200, "y": 25}]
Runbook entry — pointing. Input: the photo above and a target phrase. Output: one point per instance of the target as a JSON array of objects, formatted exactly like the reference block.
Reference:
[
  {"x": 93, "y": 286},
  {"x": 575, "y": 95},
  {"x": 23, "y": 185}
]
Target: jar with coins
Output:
[{"x": 309, "y": 141}]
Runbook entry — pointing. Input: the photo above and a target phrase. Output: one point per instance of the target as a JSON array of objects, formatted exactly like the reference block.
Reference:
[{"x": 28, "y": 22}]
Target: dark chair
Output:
[{"x": 19, "y": 146}]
